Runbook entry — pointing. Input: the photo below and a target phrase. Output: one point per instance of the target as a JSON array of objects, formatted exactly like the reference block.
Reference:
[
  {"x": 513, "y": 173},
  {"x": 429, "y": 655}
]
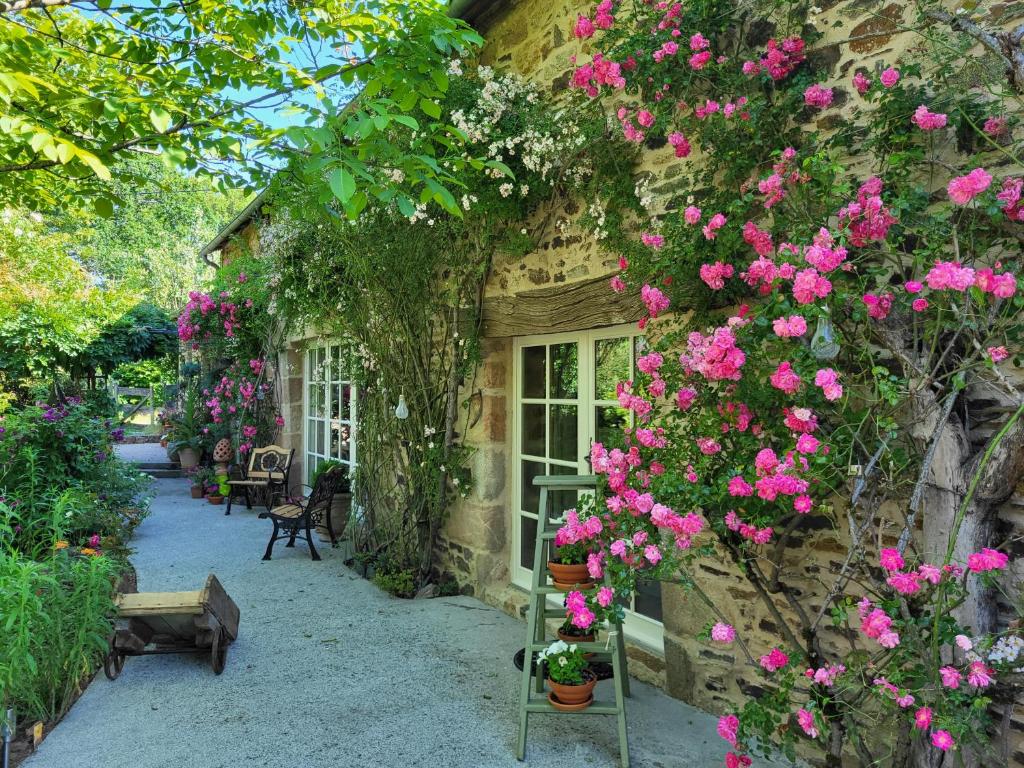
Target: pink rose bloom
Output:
[
  {"x": 785, "y": 378},
  {"x": 732, "y": 760},
  {"x": 791, "y": 327},
  {"x": 698, "y": 42},
  {"x": 828, "y": 380},
  {"x": 923, "y": 718},
  {"x": 890, "y": 77},
  {"x": 950, "y": 677},
  {"x": 723, "y": 633},
  {"x": 652, "y": 553},
  {"x": 919, "y": 305},
  {"x": 651, "y": 240},
  {"x": 807, "y": 444},
  {"x": 685, "y": 398},
  {"x": 617, "y": 284},
  {"x": 943, "y": 740},
  {"x": 818, "y": 96},
  {"x": 715, "y": 275},
  {"x": 979, "y": 675},
  {"x": 699, "y": 60},
  {"x": 891, "y": 559},
  {"x": 584, "y": 28},
  {"x": 930, "y": 573},
  {"x": 605, "y": 595},
  {"x": 928, "y": 121},
  {"x": 861, "y": 82},
  {"x": 645, "y": 118},
  {"x": 806, "y": 721},
  {"x": 995, "y": 126},
  {"x": 740, "y": 487},
  {"x": 878, "y": 306},
  {"x": 905, "y": 583},
  {"x": 997, "y": 354},
  {"x": 654, "y": 300},
  {"x": 912, "y": 286},
  {"x": 774, "y": 660},
  {"x": 691, "y": 215},
  {"x": 803, "y": 504},
  {"x": 682, "y": 147},
  {"x": 963, "y": 189},
  {"x": 950, "y": 274}
]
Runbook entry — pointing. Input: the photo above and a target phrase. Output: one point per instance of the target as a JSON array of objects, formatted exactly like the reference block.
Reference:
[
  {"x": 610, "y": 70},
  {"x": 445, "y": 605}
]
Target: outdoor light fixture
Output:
[
  {"x": 401, "y": 410},
  {"x": 824, "y": 345}
]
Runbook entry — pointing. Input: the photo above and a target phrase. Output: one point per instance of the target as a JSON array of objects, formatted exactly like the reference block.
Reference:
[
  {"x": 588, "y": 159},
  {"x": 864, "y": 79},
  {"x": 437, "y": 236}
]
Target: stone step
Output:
[
  {"x": 146, "y": 465},
  {"x": 162, "y": 473}
]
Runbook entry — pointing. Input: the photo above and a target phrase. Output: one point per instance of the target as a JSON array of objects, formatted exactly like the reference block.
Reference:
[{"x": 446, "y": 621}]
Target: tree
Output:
[{"x": 205, "y": 83}]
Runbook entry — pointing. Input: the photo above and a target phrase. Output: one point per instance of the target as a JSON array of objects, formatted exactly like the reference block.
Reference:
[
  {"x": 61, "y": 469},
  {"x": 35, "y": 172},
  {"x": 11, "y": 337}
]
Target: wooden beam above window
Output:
[{"x": 566, "y": 307}]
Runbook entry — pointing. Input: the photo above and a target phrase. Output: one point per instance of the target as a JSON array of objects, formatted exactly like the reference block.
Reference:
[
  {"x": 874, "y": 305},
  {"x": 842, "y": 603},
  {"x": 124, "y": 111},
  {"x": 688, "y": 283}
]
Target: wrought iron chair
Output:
[
  {"x": 267, "y": 472},
  {"x": 304, "y": 514}
]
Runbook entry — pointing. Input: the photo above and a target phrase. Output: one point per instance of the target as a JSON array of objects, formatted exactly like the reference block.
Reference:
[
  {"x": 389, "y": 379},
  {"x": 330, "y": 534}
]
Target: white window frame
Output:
[
  {"x": 313, "y": 458},
  {"x": 642, "y": 629}
]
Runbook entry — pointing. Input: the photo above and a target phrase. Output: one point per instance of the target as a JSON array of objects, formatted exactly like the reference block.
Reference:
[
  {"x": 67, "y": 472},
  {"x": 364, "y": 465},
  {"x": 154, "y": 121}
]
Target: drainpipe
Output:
[{"x": 7, "y": 729}]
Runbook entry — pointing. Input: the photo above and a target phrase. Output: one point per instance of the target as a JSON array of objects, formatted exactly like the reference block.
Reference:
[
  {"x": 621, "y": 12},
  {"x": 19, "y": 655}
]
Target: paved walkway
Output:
[{"x": 330, "y": 671}]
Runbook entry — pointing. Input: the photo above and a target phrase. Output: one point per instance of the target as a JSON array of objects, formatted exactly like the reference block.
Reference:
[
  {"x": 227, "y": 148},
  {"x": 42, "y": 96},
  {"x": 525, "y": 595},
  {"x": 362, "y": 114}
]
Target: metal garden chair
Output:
[
  {"x": 304, "y": 514},
  {"x": 267, "y": 473}
]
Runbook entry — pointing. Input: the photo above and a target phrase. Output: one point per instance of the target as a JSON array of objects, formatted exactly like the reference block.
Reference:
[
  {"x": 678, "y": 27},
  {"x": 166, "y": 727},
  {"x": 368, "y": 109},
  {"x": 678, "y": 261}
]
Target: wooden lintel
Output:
[{"x": 568, "y": 307}]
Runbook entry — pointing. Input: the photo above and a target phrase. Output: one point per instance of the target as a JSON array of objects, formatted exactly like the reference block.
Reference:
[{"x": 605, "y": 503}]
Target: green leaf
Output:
[
  {"x": 104, "y": 207},
  {"x": 430, "y": 108},
  {"x": 160, "y": 118},
  {"x": 343, "y": 184}
]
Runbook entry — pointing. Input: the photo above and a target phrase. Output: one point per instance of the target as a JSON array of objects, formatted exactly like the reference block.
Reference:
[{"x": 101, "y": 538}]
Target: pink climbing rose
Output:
[
  {"x": 723, "y": 633},
  {"x": 943, "y": 740},
  {"x": 774, "y": 660},
  {"x": 806, "y": 721},
  {"x": 963, "y": 189},
  {"x": 928, "y": 121},
  {"x": 818, "y": 95},
  {"x": 890, "y": 77}
]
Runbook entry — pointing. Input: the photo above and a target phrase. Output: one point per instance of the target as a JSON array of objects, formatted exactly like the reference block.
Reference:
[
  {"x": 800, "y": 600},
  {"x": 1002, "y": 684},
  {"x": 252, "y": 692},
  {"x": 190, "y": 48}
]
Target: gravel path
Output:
[{"x": 330, "y": 671}]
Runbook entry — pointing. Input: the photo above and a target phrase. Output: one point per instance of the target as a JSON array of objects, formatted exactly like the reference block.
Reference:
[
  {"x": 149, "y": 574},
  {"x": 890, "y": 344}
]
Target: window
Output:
[
  {"x": 565, "y": 401},
  {"x": 330, "y": 407}
]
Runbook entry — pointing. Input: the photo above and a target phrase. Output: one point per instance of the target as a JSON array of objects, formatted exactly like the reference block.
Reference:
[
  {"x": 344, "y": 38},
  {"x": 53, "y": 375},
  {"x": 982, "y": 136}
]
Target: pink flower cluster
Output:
[
  {"x": 928, "y": 121},
  {"x": 877, "y": 624},
  {"x": 867, "y": 218},
  {"x": 987, "y": 560},
  {"x": 598, "y": 73},
  {"x": 826, "y": 675},
  {"x": 715, "y": 357},
  {"x": 716, "y": 274},
  {"x": 828, "y": 380},
  {"x": 1010, "y": 196},
  {"x": 818, "y": 96},
  {"x": 778, "y": 60},
  {"x": 963, "y": 189}
]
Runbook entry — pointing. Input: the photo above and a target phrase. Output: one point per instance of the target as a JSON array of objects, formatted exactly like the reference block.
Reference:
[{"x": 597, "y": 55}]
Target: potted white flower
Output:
[{"x": 571, "y": 681}]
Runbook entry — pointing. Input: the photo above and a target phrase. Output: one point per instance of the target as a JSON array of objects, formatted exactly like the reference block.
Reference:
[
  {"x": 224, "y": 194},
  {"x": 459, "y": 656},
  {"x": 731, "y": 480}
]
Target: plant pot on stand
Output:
[
  {"x": 188, "y": 457},
  {"x": 341, "y": 506},
  {"x": 569, "y": 577}
]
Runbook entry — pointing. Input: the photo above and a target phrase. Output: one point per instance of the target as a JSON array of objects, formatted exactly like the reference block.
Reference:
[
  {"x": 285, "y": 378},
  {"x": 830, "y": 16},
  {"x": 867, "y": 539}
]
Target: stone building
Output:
[{"x": 552, "y": 308}]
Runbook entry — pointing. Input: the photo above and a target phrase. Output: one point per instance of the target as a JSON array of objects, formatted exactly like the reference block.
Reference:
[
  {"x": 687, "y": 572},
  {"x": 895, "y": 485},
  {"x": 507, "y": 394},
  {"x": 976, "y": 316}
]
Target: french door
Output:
[
  {"x": 564, "y": 393},
  {"x": 330, "y": 409}
]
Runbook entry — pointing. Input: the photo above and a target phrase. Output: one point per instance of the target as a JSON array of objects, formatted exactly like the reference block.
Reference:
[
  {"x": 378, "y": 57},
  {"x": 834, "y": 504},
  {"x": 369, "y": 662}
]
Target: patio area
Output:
[{"x": 330, "y": 671}]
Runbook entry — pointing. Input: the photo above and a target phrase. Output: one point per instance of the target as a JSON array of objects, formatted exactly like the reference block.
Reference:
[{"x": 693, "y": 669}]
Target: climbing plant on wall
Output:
[{"x": 853, "y": 248}]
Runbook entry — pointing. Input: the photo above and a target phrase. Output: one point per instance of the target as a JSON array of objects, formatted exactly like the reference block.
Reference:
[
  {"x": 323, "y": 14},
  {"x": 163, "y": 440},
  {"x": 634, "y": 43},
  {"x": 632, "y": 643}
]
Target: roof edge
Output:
[{"x": 244, "y": 217}]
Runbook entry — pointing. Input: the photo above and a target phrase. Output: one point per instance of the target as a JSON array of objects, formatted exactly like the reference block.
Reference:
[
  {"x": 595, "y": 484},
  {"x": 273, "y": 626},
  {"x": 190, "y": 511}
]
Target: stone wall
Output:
[{"x": 531, "y": 38}]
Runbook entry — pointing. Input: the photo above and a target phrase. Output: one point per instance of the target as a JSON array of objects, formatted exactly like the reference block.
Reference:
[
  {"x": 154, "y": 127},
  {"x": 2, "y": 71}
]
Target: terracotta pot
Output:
[
  {"x": 567, "y": 638},
  {"x": 197, "y": 491},
  {"x": 568, "y": 577},
  {"x": 215, "y": 499},
  {"x": 573, "y": 695},
  {"x": 188, "y": 457},
  {"x": 341, "y": 506}
]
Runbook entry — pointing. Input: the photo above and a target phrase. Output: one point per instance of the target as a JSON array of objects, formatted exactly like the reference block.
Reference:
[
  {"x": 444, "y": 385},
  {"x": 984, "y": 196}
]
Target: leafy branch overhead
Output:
[{"x": 239, "y": 91}]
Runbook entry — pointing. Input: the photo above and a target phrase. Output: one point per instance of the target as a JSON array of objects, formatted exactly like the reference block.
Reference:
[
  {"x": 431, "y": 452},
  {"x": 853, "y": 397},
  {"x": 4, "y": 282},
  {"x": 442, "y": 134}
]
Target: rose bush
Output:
[{"x": 856, "y": 282}]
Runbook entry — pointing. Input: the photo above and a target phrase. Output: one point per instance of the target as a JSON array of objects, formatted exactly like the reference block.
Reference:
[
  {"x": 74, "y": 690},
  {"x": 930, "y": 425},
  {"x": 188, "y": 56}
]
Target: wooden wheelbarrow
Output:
[{"x": 205, "y": 620}]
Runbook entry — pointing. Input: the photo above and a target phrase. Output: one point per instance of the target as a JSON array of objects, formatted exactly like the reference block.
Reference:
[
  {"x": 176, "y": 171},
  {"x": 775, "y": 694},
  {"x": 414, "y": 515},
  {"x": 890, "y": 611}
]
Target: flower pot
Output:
[
  {"x": 574, "y": 697},
  {"x": 188, "y": 457},
  {"x": 568, "y": 577},
  {"x": 215, "y": 499},
  {"x": 163, "y": 443},
  {"x": 197, "y": 491},
  {"x": 589, "y": 637},
  {"x": 341, "y": 506}
]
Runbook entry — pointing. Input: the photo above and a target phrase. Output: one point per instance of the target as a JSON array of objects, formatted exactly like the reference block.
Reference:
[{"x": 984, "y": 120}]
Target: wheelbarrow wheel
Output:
[
  {"x": 113, "y": 663},
  {"x": 219, "y": 652}
]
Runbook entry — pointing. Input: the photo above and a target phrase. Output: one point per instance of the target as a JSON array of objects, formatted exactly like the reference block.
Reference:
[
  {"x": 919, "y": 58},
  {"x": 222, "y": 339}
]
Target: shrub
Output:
[
  {"x": 57, "y": 623},
  {"x": 399, "y": 583}
]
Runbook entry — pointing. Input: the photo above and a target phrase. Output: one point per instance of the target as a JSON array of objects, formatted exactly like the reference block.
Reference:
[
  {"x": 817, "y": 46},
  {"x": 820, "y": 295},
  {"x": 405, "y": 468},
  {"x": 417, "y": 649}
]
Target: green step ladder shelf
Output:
[{"x": 532, "y": 698}]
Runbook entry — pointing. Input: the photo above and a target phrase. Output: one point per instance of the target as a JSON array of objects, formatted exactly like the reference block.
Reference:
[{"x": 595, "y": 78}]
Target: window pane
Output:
[
  {"x": 564, "y": 371},
  {"x": 346, "y": 442},
  {"x": 531, "y": 493},
  {"x": 563, "y": 432},
  {"x": 533, "y": 371},
  {"x": 527, "y": 541},
  {"x": 311, "y": 435},
  {"x": 559, "y": 501},
  {"x": 321, "y": 438},
  {"x": 335, "y": 406},
  {"x": 533, "y": 430},
  {"x": 648, "y": 599},
  {"x": 609, "y": 422},
  {"x": 335, "y": 440},
  {"x": 345, "y": 401},
  {"x": 611, "y": 365}
]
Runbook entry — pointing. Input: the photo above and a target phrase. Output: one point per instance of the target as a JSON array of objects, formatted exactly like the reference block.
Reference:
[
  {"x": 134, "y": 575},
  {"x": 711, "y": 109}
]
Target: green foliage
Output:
[
  {"x": 147, "y": 373},
  {"x": 398, "y": 582},
  {"x": 57, "y": 621},
  {"x": 565, "y": 663},
  {"x": 82, "y": 87}
]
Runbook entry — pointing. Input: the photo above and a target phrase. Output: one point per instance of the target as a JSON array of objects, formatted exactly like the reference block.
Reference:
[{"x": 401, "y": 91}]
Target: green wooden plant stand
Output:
[{"x": 532, "y": 698}]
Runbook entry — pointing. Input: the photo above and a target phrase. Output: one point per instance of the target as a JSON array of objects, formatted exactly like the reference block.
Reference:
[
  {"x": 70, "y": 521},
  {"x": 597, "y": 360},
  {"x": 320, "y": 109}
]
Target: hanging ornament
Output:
[
  {"x": 402, "y": 410},
  {"x": 824, "y": 345}
]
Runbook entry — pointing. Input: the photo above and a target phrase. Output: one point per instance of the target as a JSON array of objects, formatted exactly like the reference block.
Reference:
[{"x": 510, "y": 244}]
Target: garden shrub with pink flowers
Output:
[{"x": 855, "y": 280}]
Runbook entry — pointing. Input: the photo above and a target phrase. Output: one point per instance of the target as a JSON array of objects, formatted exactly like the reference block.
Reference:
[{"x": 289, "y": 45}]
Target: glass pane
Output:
[
  {"x": 345, "y": 400},
  {"x": 320, "y": 439},
  {"x": 531, "y": 493},
  {"x": 564, "y": 371},
  {"x": 560, "y": 501},
  {"x": 563, "y": 432},
  {"x": 527, "y": 541},
  {"x": 609, "y": 421},
  {"x": 311, "y": 436},
  {"x": 611, "y": 365},
  {"x": 533, "y": 430},
  {"x": 648, "y": 599},
  {"x": 335, "y": 440},
  {"x": 335, "y": 392},
  {"x": 533, "y": 371},
  {"x": 346, "y": 443}
]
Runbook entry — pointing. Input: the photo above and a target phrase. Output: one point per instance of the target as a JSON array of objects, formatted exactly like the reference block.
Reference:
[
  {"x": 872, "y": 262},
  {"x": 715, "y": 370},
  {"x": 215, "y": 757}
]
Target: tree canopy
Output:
[{"x": 236, "y": 90}]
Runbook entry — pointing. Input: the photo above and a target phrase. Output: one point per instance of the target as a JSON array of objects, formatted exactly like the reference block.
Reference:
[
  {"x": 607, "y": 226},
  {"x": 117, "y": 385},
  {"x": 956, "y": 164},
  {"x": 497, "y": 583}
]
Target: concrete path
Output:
[{"x": 328, "y": 671}]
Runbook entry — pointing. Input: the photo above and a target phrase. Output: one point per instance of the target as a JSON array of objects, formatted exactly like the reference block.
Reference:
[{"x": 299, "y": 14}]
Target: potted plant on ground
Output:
[
  {"x": 571, "y": 681},
  {"x": 185, "y": 437},
  {"x": 213, "y": 494},
  {"x": 341, "y": 503},
  {"x": 196, "y": 482}
]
